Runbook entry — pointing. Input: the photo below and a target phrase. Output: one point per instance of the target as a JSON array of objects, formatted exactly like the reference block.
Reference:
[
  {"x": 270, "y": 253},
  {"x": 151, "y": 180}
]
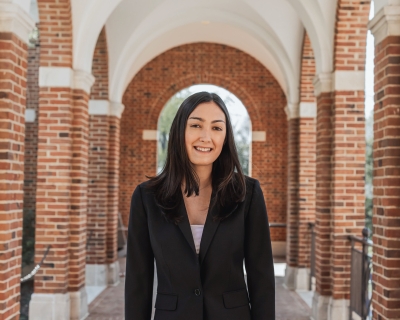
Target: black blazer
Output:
[{"x": 210, "y": 285}]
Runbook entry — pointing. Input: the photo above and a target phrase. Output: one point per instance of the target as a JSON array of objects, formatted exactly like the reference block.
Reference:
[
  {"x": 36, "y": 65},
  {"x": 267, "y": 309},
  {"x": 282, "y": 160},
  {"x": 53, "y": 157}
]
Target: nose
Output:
[{"x": 205, "y": 135}]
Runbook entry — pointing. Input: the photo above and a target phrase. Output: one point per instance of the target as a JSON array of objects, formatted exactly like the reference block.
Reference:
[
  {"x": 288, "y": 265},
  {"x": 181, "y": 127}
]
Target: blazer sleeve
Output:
[
  {"x": 258, "y": 259},
  {"x": 139, "y": 263}
]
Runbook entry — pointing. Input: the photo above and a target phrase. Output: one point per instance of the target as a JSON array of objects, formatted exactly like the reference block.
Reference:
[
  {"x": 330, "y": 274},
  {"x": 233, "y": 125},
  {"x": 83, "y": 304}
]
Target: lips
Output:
[{"x": 201, "y": 149}]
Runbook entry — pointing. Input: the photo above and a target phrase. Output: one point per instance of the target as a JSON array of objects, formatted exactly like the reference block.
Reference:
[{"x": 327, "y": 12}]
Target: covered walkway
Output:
[{"x": 109, "y": 305}]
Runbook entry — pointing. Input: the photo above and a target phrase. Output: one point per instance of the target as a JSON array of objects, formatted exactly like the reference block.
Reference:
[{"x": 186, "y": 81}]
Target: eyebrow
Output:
[{"x": 202, "y": 120}]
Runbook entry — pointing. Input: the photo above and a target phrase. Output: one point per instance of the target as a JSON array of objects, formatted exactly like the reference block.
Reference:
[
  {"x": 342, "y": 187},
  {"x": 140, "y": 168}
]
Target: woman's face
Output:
[{"x": 205, "y": 134}]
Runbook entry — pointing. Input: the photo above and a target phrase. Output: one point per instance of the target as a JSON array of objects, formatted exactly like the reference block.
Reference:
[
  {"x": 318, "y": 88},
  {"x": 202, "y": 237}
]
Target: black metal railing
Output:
[
  {"x": 361, "y": 276},
  {"x": 31, "y": 274},
  {"x": 311, "y": 225}
]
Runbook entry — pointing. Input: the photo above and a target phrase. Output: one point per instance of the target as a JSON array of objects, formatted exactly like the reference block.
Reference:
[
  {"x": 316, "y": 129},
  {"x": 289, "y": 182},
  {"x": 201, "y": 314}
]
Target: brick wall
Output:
[
  {"x": 13, "y": 54},
  {"x": 103, "y": 167},
  {"x": 216, "y": 64},
  {"x": 99, "y": 89},
  {"x": 348, "y": 147},
  {"x": 113, "y": 188},
  {"x": 302, "y": 168},
  {"x": 97, "y": 190},
  {"x": 386, "y": 215},
  {"x": 323, "y": 194},
  {"x": 79, "y": 186},
  {"x": 54, "y": 151}
]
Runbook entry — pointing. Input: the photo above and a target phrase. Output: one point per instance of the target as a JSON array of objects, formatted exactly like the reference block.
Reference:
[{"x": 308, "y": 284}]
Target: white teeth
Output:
[{"x": 203, "y": 149}]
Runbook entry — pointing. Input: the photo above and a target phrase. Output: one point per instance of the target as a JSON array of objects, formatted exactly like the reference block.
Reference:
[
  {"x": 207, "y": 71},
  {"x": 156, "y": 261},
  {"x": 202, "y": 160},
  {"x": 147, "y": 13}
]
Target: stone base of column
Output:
[
  {"x": 79, "y": 304},
  {"x": 320, "y": 306},
  {"x": 47, "y": 306},
  {"x": 102, "y": 274},
  {"x": 297, "y": 278},
  {"x": 96, "y": 275},
  {"x": 113, "y": 273},
  {"x": 338, "y": 309}
]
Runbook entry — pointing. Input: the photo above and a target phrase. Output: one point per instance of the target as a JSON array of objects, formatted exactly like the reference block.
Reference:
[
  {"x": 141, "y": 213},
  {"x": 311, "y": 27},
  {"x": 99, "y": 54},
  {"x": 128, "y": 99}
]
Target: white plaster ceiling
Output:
[{"x": 269, "y": 30}]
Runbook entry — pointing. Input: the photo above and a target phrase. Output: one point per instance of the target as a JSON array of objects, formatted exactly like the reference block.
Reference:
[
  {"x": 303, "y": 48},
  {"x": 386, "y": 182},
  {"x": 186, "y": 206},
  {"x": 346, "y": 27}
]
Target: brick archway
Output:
[{"x": 220, "y": 65}]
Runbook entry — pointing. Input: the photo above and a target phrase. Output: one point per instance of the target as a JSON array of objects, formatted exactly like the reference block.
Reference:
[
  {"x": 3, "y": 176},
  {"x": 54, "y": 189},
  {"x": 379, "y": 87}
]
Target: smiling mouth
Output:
[{"x": 203, "y": 149}]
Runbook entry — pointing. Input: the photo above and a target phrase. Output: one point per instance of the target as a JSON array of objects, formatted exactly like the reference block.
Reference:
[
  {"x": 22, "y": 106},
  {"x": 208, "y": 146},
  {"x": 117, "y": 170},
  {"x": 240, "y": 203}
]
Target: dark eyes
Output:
[{"x": 198, "y": 126}]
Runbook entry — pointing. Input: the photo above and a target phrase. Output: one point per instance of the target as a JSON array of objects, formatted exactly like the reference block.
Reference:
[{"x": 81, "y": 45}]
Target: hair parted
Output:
[{"x": 228, "y": 181}]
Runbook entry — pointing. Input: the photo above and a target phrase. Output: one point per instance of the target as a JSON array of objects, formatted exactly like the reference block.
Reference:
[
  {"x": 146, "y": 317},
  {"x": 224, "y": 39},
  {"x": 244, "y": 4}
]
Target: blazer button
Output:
[{"x": 197, "y": 292}]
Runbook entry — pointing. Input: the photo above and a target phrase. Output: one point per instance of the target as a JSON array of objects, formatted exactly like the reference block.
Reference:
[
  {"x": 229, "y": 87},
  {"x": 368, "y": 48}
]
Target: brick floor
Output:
[{"x": 109, "y": 305}]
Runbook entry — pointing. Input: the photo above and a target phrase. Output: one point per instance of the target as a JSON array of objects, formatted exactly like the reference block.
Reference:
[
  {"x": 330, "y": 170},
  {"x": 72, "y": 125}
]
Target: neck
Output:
[{"x": 204, "y": 174}]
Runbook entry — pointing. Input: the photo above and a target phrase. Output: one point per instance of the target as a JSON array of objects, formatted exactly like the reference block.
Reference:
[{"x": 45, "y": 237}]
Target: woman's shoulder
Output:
[{"x": 251, "y": 183}]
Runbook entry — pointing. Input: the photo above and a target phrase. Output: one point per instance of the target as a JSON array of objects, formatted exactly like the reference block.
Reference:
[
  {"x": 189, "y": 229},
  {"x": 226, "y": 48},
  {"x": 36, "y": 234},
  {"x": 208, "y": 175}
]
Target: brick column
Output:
[
  {"x": 386, "y": 215},
  {"x": 15, "y": 25},
  {"x": 102, "y": 263},
  {"x": 79, "y": 195},
  {"x": 61, "y": 193},
  {"x": 323, "y": 84},
  {"x": 301, "y": 188},
  {"x": 113, "y": 192}
]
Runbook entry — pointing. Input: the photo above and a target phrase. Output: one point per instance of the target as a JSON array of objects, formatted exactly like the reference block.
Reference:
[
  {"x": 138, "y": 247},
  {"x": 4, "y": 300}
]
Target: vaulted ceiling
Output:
[{"x": 271, "y": 31}]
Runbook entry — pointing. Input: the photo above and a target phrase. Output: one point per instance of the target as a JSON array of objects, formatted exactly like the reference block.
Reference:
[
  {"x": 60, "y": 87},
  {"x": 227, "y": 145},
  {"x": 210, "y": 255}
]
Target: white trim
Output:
[
  {"x": 99, "y": 107},
  {"x": 385, "y": 23},
  {"x": 308, "y": 109},
  {"x": 116, "y": 109},
  {"x": 56, "y": 77},
  {"x": 83, "y": 80},
  {"x": 30, "y": 115},
  {"x": 258, "y": 136},
  {"x": 322, "y": 83},
  {"x": 349, "y": 80},
  {"x": 150, "y": 135},
  {"x": 16, "y": 20}
]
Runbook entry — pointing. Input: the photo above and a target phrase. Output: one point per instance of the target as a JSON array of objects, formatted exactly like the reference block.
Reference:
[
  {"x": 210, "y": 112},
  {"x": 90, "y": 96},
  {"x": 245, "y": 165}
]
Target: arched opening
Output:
[{"x": 237, "y": 111}]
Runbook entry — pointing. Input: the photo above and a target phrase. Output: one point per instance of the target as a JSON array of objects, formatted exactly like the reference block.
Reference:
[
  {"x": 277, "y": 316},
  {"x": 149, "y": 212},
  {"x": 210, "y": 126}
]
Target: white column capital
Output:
[
  {"x": 116, "y": 109},
  {"x": 64, "y": 77},
  {"x": 106, "y": 108},
  {"x": 385, "y": 23},
  {"x": 14, "y": 19},
  {"x": 292, "y": 111},
  {"x": 83, "y": 80},
  {"x": 322, "y": 83}
]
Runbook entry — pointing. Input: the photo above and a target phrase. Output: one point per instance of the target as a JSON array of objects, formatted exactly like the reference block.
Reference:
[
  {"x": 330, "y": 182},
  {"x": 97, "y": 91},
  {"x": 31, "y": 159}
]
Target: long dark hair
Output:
[{"x": 228, "y": 181}]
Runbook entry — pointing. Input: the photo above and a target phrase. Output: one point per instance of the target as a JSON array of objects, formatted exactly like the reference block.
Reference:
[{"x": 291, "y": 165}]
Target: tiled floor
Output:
[{"x": 109, "y": 305}]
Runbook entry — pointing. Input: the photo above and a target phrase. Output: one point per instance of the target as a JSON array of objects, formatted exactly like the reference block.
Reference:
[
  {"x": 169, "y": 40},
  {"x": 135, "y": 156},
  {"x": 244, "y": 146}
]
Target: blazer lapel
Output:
[
  {"x": 210, "y": 227},
  {"x": 185, "y": 226}
]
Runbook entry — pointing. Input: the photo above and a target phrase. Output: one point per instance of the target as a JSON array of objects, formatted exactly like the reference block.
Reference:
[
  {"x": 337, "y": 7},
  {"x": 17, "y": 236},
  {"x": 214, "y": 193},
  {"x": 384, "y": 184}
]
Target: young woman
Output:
[{"x": 199, "y": 219}]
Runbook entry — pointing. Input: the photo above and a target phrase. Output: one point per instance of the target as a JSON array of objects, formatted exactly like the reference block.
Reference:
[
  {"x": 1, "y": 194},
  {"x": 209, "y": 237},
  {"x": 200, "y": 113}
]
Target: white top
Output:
[{"x": 197, "y": 232}]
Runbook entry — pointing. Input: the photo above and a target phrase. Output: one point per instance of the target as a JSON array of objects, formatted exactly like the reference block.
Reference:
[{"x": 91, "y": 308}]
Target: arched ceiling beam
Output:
[
  {"x": 172, "y": 33},
  {"x": 88, "y": 18}
]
